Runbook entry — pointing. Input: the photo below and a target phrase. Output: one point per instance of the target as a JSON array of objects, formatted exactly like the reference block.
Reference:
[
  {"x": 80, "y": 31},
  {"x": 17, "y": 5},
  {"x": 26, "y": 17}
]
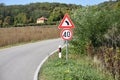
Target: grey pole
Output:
[{"x": 66, "y": 50}]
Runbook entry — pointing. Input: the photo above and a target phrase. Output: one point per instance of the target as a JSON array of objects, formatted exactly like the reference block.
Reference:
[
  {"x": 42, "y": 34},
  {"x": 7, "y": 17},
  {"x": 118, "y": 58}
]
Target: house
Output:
[{"x": 41, "y": 20}]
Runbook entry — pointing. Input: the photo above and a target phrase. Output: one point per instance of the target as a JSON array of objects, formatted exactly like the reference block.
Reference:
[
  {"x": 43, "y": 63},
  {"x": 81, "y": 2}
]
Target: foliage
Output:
[
  {"x": 26, "y": 14},
  {"x": 107, "y": 5},
  {"x": 92, "y": 26},
  {"x": 7, "y": 21},
  {"x": 117, "y": 6},
  {"x": 76, "y": 69},
  {"x": 56, "y": 15},
  {"x": 98, "y": 30},
  {"x": 20, "y": 19}
]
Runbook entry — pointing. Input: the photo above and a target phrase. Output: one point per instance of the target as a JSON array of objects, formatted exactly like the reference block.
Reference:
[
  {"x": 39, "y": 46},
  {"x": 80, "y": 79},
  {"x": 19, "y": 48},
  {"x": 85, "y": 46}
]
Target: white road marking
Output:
[{"x": 40, "y": 65}]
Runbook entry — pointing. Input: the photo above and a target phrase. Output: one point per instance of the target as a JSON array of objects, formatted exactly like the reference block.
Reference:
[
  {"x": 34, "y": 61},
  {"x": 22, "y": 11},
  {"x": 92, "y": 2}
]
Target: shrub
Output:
[
  {"x": 92, "y": 25},
  {"x": 98, "y": 29}
]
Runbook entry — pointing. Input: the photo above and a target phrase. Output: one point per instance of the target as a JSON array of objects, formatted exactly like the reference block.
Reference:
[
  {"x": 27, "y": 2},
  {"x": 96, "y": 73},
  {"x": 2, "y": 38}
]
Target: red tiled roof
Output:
[{"x": 42, "y": 18}]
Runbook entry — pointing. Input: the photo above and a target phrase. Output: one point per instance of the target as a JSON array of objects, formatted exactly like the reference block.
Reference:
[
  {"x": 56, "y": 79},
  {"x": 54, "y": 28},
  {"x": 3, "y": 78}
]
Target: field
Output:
[{"x": 10, "y": 36}]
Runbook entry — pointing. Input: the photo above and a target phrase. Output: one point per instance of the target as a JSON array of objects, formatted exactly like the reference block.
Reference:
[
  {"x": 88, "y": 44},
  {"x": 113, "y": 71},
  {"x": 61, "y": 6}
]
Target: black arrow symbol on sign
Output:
[{"x": 67, "y": 22}]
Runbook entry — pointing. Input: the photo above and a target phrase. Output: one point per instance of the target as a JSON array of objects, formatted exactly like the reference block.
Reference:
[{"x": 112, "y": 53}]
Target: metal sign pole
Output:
[{"x": 66, "y": 50}]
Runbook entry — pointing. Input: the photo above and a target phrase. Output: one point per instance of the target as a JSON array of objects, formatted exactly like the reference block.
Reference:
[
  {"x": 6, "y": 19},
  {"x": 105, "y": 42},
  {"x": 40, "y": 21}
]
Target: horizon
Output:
[{"x": 22, "y": 2}]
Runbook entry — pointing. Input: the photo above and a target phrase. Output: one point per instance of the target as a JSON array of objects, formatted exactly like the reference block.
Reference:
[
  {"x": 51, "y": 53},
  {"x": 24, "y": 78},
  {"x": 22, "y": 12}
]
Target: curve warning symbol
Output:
[{"x": 66, "y": 22}]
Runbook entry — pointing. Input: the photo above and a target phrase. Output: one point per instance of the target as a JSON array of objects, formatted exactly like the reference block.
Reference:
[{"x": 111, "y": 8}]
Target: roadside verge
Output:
[{"x": 38, "y": 68}]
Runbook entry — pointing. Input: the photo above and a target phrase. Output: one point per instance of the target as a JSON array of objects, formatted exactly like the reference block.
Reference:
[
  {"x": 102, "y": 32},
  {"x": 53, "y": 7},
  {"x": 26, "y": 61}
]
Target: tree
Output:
[
  {"x": 117, "y": 6},
  {"x": 1, "y": 20},
  {"x": 117, "y": 0},
  {"x": 1, "y": 23},
  {"x": 7, "y": 21},
  {"x": 21, "y": 19},
  {"x": 56, "y": 15},
  {"x": 2, "y": 4},
  {"x": 22, "y": 14}
]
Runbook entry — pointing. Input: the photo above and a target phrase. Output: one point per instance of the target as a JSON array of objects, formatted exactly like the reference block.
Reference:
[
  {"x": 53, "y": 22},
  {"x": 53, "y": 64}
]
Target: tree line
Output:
[{"x": 27, "y": 14}]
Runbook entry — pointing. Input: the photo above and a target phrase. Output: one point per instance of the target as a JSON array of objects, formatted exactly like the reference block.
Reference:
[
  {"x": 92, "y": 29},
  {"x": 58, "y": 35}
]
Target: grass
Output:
[
  {"x": 11, "y": 36},
  {"x": 77, "y": 68}
]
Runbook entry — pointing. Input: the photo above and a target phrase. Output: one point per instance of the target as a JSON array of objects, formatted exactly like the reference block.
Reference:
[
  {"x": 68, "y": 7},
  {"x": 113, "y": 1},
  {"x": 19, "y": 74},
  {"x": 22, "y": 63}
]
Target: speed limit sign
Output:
[{"x": 66, "y": 34}]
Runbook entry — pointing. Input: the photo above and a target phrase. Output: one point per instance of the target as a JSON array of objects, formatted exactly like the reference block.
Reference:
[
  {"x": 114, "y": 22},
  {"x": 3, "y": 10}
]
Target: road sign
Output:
[
  {"x": 66, "y": 34},
  {"x": 66, "y": 22}
]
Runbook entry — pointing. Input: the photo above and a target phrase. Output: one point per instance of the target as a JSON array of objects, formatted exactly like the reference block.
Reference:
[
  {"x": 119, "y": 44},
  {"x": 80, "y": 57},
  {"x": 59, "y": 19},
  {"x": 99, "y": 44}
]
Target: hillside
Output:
[
  {"x": 107, "y": 5},
  {"x": 26, "y": 14}
]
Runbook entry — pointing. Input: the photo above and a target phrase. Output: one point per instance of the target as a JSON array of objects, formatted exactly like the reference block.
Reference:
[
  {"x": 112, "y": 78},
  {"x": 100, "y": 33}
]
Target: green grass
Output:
[{"x": 77, "y": 68}]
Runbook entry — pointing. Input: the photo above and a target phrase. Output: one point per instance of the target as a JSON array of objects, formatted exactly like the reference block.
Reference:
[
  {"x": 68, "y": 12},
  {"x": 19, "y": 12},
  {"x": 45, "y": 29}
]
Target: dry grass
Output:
[{"x": 9, "y": 36}]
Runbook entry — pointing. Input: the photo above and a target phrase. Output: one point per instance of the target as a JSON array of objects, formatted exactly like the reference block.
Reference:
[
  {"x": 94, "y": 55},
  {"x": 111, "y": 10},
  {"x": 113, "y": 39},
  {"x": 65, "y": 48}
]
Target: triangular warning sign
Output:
[{"x": 66, "y": 22}]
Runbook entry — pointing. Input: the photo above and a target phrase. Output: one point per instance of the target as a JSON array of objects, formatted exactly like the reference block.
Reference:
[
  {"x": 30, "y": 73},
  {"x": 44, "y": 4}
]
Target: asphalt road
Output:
[{"x": 21, "y": 62}]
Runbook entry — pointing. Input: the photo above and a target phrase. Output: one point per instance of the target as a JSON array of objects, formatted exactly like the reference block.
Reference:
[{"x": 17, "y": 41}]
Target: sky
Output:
[{"x": 78, "y": 2}]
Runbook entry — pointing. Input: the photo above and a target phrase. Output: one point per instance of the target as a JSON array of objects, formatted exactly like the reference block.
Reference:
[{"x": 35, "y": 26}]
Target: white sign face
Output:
[
  {"x": 66, "y": 22},
  {"x": 66, "y": 34}
]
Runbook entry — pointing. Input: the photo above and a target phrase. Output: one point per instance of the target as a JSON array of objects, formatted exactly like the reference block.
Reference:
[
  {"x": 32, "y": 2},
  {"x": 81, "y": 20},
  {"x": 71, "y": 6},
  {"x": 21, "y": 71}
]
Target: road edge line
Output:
[{"x": 40, "y": 65}]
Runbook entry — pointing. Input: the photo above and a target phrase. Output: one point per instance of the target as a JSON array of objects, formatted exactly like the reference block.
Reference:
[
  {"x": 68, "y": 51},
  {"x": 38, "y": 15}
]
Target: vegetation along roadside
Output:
[
  {"x": 95, "y": 47},
  {"x": 97, "y": 34},
  {"x": 77, "y": 68}
]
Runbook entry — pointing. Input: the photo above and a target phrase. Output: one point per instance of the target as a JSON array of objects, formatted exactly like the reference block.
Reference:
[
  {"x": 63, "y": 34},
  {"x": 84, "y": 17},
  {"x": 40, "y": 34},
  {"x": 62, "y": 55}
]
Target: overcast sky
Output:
[{"x": 79, "y": 2}]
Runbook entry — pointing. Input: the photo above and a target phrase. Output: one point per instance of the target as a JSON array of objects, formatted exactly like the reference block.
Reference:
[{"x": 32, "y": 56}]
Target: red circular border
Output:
[{"x": 63, "y": 31}]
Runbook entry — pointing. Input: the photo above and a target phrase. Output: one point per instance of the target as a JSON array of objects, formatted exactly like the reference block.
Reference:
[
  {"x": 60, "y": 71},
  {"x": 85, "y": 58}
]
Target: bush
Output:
[
  {"x": 92, "y": 25},
  {"x": 97, "y": 29}
]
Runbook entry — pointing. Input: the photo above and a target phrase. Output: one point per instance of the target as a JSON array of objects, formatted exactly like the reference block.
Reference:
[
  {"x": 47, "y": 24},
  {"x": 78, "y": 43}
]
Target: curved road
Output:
[{"x": 21, "y": 62}]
